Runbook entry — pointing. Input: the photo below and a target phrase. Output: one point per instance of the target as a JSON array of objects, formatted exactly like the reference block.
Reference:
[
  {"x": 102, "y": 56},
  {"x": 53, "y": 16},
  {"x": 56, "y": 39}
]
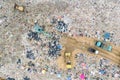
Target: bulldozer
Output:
[
  {"x": 68, "y": 60},
  {"x": 19, "y": 8}
]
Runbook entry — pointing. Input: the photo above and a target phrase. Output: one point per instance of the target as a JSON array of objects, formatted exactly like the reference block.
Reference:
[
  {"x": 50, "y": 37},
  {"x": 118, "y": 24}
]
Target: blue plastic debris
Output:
[
  {"x": 38, "y": 28},
  {"x": 102, "y": 71},
  {"x": 106, "y": 35},
  {"x": 10, "y": 78},
  {"x": 54, "y": 48},
  {"x": 59, "y": 46}
]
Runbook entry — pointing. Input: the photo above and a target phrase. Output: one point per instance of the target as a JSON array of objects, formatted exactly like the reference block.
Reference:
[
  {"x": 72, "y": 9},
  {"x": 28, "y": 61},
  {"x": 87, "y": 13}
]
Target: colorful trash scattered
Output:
[
  {"x": 33, "y": 35},
  {"x": 82, "y": 76},
  {"x": 62, "y": 27},
  {"x": 102, "y": 72},
  {"x": 83, "y": 65}
]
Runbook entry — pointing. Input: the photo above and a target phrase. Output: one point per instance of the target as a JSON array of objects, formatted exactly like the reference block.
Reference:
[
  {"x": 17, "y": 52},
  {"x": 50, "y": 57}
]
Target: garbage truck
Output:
[{"x": 103, "y": 45}]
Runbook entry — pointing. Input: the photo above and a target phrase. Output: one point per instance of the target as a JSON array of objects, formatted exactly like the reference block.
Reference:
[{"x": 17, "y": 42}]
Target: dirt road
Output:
[{"x": 81, "y": 44}]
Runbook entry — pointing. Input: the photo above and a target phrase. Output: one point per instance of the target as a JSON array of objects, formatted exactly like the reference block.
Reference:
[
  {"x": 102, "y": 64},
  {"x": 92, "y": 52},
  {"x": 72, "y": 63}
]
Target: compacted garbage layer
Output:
[{"x": 83, "y": 17}]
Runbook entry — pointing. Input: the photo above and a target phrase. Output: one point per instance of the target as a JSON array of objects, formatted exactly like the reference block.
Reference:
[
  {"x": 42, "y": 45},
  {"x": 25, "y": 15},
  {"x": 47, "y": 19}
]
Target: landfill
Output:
[{"x": 59, "y": 40}]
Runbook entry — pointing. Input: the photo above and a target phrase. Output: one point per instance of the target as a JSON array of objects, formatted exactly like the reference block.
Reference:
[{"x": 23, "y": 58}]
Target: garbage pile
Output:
[
  {"x": 41, "y": 30},
  {"x": 54, "y": 48},
  {"x": 30, "y": 55},
  {"x": 33, "y": 35},
  {"x": 107, "y": 69},
  {"x": 61, "y": 26},
  {"x": 38, "y": 29}
]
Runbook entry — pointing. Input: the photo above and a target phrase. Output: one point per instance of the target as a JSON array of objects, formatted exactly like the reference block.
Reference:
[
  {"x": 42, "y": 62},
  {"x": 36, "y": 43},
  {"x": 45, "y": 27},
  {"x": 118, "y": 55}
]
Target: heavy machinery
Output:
[
  {"x": 20, "y": 8},
  {"x": 68, "y": 60},
  {"x": 92, "y": 50},
  {"x": 103, "y": 45}
]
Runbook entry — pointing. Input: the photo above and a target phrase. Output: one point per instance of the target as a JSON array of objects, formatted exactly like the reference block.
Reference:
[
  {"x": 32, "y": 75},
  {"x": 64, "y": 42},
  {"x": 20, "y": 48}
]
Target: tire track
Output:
[{"x": 72, "y": 44}]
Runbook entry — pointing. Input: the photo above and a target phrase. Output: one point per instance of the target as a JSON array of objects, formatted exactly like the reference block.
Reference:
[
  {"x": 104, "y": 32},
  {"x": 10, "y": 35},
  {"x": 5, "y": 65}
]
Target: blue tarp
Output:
[
  {"x": 62, "y": 27},
  {"x": 102, "y": 71},
  {"x": 59, "y": 46},
  {"x": 106, "y": 35}
]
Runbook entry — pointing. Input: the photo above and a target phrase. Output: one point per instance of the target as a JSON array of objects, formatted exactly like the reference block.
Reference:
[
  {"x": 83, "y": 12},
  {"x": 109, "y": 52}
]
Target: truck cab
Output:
[{"x": 103, "y": 45}]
